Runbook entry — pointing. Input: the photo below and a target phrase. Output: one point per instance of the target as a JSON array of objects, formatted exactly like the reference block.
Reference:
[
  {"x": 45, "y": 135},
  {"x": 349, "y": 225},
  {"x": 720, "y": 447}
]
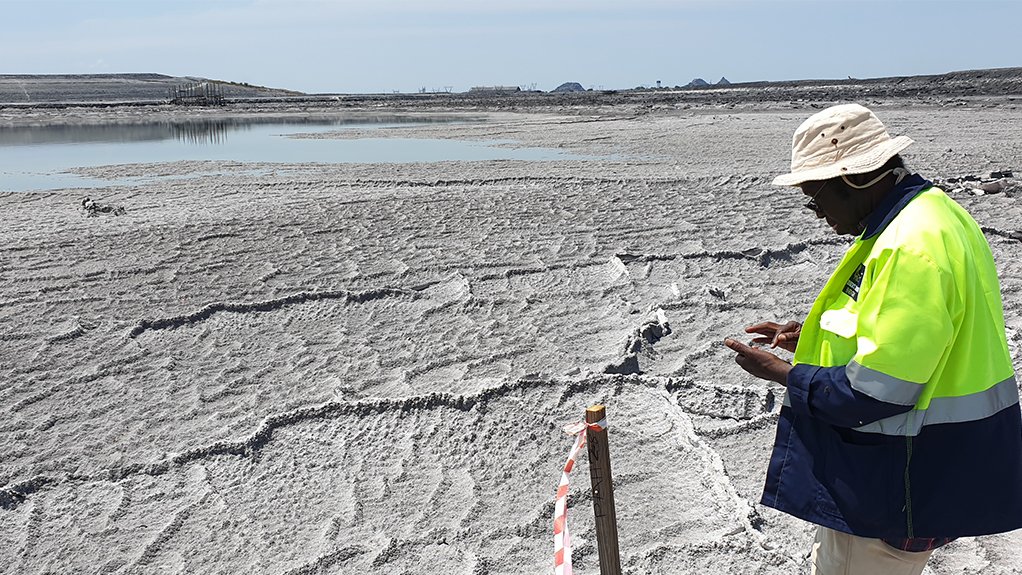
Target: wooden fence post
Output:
[{"x": 603, "y": 493}]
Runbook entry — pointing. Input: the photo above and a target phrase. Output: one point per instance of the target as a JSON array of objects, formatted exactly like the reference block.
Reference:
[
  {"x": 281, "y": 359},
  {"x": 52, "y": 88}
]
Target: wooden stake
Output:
[{"x": 603, "y": 494}]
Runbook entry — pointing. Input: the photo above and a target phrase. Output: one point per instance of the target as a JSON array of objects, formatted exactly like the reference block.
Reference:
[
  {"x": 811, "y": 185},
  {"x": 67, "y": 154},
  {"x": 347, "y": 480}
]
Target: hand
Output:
[
  {"x": 759, "y": 363},
  {"x": 777, "y": 335}
]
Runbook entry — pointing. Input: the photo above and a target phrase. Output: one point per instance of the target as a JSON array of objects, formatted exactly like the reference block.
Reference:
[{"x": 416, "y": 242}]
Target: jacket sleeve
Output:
[
  {"x": 903, "y": 324},
  {"x": 827, "y": 394}
]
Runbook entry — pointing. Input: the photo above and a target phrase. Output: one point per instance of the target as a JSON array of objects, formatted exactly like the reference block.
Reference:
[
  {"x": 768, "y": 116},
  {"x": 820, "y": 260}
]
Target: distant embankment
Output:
[
  {"x": 113, "y": 88},
  {"x": 140, "y": 89},
  {"x": 988, "y": 82}
]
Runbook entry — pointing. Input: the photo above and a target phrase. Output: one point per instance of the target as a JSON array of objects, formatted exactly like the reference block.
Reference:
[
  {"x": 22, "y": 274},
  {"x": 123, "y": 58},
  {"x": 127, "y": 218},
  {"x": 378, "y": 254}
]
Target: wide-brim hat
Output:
[{"x": 840, "y": 141}]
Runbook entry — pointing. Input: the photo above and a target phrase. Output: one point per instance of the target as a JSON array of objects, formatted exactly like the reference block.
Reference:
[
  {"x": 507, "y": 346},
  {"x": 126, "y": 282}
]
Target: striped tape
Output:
[{"x": 562, "y": 540}]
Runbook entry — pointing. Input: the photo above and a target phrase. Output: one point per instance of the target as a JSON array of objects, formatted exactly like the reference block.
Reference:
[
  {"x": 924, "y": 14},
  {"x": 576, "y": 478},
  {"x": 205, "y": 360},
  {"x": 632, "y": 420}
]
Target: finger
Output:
[
  {"x": 737, "y": 346},
  {"x": 791, "y": 327},
  {"x": 791, "y": 336},
  {"x": 763, "y": 327},
  {"x": 763, "y": 340}
]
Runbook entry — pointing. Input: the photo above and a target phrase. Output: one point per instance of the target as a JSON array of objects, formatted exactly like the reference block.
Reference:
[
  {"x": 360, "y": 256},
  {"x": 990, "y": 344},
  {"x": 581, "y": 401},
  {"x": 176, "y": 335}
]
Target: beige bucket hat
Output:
[{"x": 840, "y": 141}]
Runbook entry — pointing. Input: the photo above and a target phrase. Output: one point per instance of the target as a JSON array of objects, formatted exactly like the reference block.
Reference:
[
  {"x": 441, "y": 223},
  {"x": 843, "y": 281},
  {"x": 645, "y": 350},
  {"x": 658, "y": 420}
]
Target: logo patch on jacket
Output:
[{"x": 853, "y": 283}]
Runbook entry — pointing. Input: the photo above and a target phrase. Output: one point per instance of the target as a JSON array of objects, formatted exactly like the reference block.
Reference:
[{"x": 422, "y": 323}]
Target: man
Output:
[{"x": 900, "y": 429}]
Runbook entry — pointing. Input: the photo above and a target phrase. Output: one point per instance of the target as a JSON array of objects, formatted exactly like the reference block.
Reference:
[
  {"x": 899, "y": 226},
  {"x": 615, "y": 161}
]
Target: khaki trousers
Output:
[{"x": 836, "y": 553}]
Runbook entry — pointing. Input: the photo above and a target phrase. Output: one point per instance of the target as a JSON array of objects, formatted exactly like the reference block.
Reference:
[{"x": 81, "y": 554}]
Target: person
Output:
[{"x": 900, "y": 428}]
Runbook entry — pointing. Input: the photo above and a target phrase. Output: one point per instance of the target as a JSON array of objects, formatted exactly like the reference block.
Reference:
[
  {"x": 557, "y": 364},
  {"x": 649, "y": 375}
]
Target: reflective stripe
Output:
[
  {"x": 949, "y": 410},
  {"x": 881, "y": 386}
]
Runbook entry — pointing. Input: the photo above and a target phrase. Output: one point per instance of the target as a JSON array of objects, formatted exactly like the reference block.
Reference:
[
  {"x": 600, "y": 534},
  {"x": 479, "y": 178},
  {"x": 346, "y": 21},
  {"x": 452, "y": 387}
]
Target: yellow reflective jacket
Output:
[{"x": 915, "y": 314}]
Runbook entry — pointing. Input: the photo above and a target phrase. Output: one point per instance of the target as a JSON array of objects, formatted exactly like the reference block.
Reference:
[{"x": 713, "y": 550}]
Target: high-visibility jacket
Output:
[{"x": 902, "y": 413}]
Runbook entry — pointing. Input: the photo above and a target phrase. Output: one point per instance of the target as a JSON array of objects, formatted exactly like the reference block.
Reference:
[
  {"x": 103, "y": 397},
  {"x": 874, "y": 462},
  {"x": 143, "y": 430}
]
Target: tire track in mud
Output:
[
  {"x": 165, "y": 534},
  {"x": 32, "y": 533},
  {"x": 110, "y": 368}
]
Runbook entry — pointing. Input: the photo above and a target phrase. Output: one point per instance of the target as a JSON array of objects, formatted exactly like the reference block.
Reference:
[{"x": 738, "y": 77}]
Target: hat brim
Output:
[{"x": 860, "y": 164}]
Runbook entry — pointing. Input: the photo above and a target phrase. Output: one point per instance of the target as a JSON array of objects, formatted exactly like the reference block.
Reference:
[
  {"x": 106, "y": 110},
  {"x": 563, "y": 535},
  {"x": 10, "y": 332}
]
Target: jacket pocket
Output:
[
  {"x": 841, "y": 322},
  {"x": 859, "y": 482},
  {"x": 838, "y": 344}
]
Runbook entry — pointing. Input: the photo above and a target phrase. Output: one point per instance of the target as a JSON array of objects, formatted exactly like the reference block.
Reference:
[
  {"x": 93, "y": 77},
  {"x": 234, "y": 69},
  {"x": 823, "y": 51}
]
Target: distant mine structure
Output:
[
  {"x": 198, "y": 94},
  {"x": 494, "y": 89},
  {"x": 569, "y": 87},
  {"x": 700, "y": 83}
]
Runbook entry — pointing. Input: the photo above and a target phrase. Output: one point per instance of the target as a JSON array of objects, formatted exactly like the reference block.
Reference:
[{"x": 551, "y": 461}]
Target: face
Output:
[{"x": 826, "y": 201}]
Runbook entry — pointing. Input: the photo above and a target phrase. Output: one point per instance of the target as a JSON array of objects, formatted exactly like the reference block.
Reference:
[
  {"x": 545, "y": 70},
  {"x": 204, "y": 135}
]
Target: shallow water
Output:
[{"x": 39, "y": 157}]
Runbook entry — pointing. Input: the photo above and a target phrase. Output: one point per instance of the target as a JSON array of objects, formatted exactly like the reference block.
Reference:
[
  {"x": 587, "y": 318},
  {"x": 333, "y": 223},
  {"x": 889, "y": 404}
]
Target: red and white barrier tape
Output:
[{"x": 562, "y": 540}]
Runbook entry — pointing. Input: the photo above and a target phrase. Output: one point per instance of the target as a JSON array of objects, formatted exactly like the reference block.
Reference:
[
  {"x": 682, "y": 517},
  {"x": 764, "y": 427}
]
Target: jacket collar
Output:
[{"x": 892, "y": 204}]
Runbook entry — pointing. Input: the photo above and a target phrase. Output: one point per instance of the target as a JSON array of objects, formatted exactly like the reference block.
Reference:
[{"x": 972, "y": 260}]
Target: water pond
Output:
[{"x": 39, "y": 157}]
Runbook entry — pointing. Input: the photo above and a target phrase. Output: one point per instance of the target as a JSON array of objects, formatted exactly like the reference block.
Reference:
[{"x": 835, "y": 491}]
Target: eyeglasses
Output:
[{"x": 811, "y": 204}]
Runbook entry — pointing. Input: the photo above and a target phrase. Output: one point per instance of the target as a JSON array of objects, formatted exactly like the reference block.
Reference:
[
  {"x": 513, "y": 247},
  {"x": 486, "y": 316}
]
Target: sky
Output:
[{"x": 384, "y": 46}]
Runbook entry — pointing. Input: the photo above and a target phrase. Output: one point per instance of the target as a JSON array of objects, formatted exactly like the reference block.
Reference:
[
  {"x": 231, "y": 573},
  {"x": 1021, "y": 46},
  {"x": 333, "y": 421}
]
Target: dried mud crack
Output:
[{"x": 264, "y": 306}]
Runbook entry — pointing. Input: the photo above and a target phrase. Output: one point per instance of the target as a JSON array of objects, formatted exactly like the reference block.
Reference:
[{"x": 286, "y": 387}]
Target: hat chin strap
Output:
[{"x": 900, "y": 174}]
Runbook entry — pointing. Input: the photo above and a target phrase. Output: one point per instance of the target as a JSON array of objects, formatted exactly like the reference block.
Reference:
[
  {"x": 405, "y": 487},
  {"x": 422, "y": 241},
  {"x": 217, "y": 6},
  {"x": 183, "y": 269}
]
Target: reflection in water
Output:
[
  {"x": 45, "y": 157},
  {"x": 212, "y": 132},
  {"x": 197, "y": 131}
]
